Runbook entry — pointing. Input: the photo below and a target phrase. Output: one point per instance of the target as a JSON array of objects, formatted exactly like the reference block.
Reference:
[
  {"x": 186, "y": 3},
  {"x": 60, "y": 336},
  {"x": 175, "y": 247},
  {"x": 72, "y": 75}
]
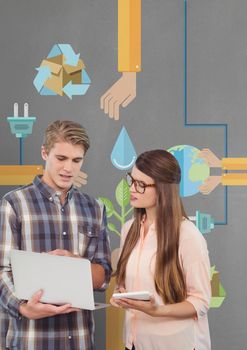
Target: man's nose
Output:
[{"x": 67, "y": 166}]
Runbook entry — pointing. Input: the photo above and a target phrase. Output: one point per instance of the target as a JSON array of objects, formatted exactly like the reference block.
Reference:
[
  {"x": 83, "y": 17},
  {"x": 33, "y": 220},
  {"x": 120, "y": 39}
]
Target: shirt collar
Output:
[
  {"x": 48, "y": 191},
  {"x": 143, "y": 220}
]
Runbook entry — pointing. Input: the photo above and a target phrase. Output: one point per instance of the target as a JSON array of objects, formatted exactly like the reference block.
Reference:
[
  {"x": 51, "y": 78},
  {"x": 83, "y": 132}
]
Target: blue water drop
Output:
[{"x": 123, "y": 155}]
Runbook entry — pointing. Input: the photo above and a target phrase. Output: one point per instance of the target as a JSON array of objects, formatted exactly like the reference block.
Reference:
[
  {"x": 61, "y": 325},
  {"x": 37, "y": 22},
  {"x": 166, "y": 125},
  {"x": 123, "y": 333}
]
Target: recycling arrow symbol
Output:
[{"x": 62, "y": 61}]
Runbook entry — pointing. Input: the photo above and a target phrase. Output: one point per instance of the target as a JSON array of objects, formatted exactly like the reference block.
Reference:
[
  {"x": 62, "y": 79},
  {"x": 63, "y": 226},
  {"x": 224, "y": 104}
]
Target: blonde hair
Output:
[{"x": 65, "y": 131}]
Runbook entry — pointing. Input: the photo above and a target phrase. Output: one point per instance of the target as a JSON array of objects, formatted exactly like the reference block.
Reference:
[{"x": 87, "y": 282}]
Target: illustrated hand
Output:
[
  {"x": 120, "y": 94},
  {"x": 211, "y": 159},
  {"x": 210, "y": 184},
  {"x": 35, "y": 310},
  {"x": 80, "y": 180}
]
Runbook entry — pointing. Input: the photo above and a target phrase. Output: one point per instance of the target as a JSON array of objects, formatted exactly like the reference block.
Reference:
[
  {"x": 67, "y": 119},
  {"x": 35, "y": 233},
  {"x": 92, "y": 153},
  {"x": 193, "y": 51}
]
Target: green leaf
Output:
[
  {"x": 111, "y": 227},
  {"x": 122, "y": 193},
  {"x": 108, "y": 205},
  {"x": 222, "y": 292}
]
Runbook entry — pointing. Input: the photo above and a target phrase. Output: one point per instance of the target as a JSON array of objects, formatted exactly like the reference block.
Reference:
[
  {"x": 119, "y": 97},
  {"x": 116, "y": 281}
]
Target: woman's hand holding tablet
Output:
[{"x": 141, "y": 295}]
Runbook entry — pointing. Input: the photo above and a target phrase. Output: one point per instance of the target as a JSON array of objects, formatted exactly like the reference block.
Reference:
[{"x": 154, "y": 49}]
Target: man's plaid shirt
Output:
[{"x": 32, "y": 218}]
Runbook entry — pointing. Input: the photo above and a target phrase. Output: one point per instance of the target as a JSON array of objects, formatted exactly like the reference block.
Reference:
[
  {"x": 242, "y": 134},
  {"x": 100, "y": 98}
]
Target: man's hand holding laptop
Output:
[
  {"x": 34, "y": 309},
  {"x": 98, "y": 272},
  {"x": 63, "y": 252}
]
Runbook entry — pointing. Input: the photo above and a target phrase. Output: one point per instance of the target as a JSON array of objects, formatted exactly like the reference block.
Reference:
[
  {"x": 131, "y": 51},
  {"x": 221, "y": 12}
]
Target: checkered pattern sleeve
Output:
[
  {"x": 102, "y": 254},
  {"x": 8, "y": 241}
]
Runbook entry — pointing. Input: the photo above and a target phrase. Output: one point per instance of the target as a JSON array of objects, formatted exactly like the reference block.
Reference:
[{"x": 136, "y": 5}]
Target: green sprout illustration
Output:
[
  {"x": 218, "y": 291},
  {"x": 122, "y": 195}
]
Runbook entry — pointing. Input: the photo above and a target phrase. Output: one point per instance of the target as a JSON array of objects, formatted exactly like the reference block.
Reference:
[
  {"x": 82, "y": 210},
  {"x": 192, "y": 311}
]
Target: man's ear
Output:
[{"x": 43, "y": 152}]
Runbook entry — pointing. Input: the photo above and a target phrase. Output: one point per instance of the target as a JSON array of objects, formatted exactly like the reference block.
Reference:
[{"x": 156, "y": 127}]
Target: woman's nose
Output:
[{"x": 133, "y": 187}]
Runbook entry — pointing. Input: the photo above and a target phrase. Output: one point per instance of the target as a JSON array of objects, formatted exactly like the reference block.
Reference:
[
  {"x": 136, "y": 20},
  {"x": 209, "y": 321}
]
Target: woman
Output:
[{"x": 164, "y": 253}]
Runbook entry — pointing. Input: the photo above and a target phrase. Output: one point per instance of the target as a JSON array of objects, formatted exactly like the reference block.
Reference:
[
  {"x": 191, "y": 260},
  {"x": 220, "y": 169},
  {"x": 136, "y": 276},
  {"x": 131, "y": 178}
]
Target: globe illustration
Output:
[{"x": 194, "y": 170}]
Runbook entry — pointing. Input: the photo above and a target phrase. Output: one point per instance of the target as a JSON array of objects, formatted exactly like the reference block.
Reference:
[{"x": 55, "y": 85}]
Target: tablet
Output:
[{"x": 141, "y": 295}]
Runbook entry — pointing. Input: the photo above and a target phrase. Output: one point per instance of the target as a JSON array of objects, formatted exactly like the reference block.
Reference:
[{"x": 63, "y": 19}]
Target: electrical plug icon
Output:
[
  {"x": 21, "y": 126},
  {"x": 204, "y": 222}
]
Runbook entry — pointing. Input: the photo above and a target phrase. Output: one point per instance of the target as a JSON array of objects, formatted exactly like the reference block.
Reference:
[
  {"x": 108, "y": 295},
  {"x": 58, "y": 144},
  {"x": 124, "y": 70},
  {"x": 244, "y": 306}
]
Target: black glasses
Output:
[{"x": 140, "y": 186}]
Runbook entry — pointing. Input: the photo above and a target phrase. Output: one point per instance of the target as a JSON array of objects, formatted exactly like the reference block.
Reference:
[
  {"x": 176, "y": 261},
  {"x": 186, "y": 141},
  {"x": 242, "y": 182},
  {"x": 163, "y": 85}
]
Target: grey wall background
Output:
[{"x": 217, "y": 86}]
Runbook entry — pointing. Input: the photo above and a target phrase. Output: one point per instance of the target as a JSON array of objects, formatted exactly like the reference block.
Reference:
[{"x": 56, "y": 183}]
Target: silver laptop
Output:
[{"x": 63, "y": 279}]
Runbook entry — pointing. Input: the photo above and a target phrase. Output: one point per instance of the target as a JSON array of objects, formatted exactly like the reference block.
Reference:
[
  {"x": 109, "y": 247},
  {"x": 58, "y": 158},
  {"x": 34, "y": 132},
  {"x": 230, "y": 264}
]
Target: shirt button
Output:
[
  {"x": 64, "y": 233},
  {"x": 69, "y": 337},
  {"x": 51, "y": 199},
  {"x": 62, "y": 209}
]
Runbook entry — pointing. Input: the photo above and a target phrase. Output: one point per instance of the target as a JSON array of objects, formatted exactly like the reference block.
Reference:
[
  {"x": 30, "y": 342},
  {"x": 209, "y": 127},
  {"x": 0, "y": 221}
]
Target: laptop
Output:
[{"x": 63, "y": 279}]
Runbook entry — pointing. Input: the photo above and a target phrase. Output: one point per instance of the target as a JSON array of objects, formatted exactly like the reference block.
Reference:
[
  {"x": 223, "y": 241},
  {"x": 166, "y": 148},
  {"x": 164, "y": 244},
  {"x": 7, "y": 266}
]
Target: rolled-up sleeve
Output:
[
  {"x": 198, "y": 287},
  {"x": 129, "y": 35},
  {"x": 196, "y": 266}
]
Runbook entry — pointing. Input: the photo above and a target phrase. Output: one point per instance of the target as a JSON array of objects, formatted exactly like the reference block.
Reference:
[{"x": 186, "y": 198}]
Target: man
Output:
[{"x": 50, "y": 215}]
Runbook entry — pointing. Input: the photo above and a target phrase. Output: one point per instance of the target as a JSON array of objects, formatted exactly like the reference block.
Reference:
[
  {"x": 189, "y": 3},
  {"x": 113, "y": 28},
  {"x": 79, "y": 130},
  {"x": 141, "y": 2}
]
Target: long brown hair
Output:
[{"x": 169, "y": 280}]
